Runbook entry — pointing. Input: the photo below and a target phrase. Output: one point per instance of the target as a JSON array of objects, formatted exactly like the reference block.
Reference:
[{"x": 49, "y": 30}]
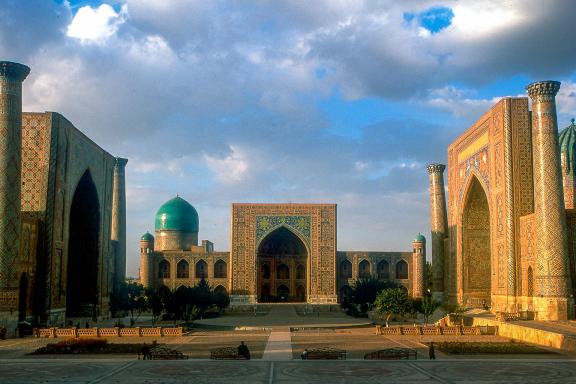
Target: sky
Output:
[{"x": 325, "y": 101}]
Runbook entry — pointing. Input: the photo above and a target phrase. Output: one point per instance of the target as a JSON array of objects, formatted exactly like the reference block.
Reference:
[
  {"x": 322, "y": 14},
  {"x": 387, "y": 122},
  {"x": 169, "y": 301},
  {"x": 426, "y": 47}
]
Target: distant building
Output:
[
  {"x": 62, "y": 214},
  {"x": 279, "y": 253},
  {"x": 507, "y": 238}
]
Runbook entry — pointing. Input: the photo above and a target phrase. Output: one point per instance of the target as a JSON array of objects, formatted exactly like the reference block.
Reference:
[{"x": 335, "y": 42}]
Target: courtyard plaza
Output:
[{"x": 276, "y": 335}]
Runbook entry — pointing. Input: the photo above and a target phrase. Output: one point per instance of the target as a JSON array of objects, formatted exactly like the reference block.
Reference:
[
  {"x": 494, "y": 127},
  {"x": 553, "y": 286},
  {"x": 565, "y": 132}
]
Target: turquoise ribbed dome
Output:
[
  {"x": 177, "y": 215},
  {"x": 147, "y": 237},
  {"x": 419, "y": 239},
  {"x": 567, "y": 141}
]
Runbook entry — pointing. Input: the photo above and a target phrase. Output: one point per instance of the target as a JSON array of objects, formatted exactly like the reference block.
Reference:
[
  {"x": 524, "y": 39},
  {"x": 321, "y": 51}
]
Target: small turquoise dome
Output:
[
  {"x": 419, "y": 238},
  {"x": 567, "y": 141},
  {"x": 177, "y": 215},
  {"x": 147, "y": 237}
]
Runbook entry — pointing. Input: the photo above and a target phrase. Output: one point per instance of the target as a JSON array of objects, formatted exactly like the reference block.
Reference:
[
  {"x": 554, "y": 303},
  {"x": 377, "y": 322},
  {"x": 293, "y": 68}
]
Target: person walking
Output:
[{"x": 431, "y": 352}]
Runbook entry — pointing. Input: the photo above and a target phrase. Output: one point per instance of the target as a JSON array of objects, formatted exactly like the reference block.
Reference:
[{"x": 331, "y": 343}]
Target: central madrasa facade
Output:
[{"x": 279, "y": 253}]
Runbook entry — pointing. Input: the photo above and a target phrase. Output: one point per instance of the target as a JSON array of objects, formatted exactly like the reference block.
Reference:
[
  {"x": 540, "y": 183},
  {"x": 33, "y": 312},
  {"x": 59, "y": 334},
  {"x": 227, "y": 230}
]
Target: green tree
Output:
[
  {"x": 428, "y": 276},
  {"x": 366, "y": 289},
  {"x": 393, "y": 301},
  {"x": 156, "y": 305},
  {"x": 221, "y": 300},
  {"x": 129, "y": 297},
  {"x": 428, "y": 307}
]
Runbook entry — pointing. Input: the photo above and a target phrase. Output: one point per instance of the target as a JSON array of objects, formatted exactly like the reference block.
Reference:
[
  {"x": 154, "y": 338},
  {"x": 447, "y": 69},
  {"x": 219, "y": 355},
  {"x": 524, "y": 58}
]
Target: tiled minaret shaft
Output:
[
  {"x": 552, "y": 279},
  {"x": 119, "y": 219},
  {"x": 439, "y": 224},
  {"x": 419, "y": 267},
  {"x": 11, "y": 77}
]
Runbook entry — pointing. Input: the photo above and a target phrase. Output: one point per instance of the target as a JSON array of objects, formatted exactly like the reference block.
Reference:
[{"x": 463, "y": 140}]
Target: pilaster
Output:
[{"x": 119, "y": 220}]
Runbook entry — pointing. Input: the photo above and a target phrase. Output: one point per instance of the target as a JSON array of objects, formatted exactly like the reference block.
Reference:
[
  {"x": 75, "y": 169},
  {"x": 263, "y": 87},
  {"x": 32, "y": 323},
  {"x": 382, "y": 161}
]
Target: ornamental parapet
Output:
[
  {"x": 435, "y": 168},
  {"x": 543, "y": 90},
  {"x": 14, "y": 71}
]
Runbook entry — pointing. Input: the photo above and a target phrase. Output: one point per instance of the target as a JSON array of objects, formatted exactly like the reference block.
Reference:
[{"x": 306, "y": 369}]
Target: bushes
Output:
[{"x": 80, "y": 346}]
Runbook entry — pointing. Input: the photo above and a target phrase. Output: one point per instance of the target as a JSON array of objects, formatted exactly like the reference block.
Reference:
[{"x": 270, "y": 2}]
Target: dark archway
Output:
[
  {"x": 364, "y": 269},
  {"x": 23, "y": 297},
  {"x": 83, "y": 249},
  {"x": 282, "y": 259},
  {"x": 201, "y": 269},
  {"x": 220, "y": 290},
  {"x": 402, "y": 270},
  {"x": 345, "y": 269},
  {"x": 220, "y": 271},
  {"x": 164, "y": 269},
  {"x": 383, "y": 269},
  {"x": 182, "y": 270},
  {"x": 346, "y": 294},
  {"x": 476, "y": 255}
]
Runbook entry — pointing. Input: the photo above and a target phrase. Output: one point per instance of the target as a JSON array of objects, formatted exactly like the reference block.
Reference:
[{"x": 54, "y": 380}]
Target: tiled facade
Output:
[
  {"x": 317, "y": 273},
  {"x": 506, "y": 243},
  {"x": 55, "y": 156}
]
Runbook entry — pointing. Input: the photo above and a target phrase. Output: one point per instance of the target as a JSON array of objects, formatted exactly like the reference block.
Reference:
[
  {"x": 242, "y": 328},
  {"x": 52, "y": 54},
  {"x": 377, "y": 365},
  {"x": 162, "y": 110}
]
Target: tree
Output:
[
  {"x": 129, "y": 297},
  {"x": 393, "y": 301},
  {"x": 428, "y": 307},
  {"x": 156, "y": 305},
  {"x": 221, "y": 300},
  {"x": 366, "y": 289},
  {"x": 428, "y": 276}
]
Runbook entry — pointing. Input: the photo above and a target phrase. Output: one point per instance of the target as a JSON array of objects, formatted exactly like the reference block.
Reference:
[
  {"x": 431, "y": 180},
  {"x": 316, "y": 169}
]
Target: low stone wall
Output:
[
  {"x": 428, "y": 330},
  {"x": 108, "y": 332},
  {"x": 517, "y": 331}
]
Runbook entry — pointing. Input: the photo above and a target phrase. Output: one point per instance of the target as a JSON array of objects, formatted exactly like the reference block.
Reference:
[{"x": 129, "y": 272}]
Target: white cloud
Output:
[
  {"x": 230, "y": 169},
  {"x": 458, "y": 102},
  {"x": 95, "y": 25},
  {"x": 478, "y": 19}
]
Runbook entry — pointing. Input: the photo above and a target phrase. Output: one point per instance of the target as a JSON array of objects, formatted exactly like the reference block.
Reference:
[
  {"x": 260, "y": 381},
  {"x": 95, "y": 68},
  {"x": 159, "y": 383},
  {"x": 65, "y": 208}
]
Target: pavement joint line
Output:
[
  {"x": 271, "y": 373},
  {"x": 429, "y": 374},
  {"x": 112, "y": 373}
]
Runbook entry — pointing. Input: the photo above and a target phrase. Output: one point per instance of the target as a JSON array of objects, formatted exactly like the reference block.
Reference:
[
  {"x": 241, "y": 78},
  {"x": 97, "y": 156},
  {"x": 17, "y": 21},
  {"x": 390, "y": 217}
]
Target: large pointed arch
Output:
[
  {"x": 83, "y": 264},
  {"x": 279, "y": 254},
  {"x": 476, "y": 258}
]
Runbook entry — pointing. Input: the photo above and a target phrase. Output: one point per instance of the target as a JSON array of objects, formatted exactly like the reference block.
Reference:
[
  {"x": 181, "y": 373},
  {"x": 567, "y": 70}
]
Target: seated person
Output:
[
  {"x": 304, "y": 354},
  {"x": 243, "y": 351}
]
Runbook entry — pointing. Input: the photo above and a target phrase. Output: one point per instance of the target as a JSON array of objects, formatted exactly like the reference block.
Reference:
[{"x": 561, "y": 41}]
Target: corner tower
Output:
[
  {"x": 11, "y": 77},
  {"x": 419, "y": 266},
  {"x": 146, "y": 260},
  {"x": 177, "y": 226},
  {"x": 552, "y": 279}
]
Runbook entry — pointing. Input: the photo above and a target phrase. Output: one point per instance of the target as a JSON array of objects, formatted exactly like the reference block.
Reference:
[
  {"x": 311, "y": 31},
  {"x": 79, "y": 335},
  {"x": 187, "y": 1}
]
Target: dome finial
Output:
[{"x": 572, "y": 120}]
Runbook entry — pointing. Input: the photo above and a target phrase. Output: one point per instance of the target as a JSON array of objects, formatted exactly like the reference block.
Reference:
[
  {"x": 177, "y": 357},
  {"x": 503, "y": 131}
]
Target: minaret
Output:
[
  {"x": 552, "y": 279},
  {"x": 119, "y": 220},
  {"x": 11, "y": 77},
  {"x": 419, "y": 266},
  {"x": 147, "y": 260},
  {"x": 439, "y": 226}
]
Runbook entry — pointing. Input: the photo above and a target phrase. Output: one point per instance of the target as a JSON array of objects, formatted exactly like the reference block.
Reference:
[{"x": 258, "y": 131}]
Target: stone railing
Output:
[
  {"x": 107, "y": 332},
  {"x": 428, "y": 330},
  {"x": 515, "y": 316}
]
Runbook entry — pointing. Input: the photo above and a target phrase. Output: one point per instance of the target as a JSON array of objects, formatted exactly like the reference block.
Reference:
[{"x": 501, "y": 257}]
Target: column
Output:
[
  {"x": 119, "y": 220},
  {"x": 439, "y": 226},
  {"x": 552, "y": 277},
  {"x": 11, "y": 77}
]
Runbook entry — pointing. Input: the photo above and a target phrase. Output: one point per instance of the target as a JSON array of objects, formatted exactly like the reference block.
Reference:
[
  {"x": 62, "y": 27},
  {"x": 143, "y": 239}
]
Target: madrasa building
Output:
[
  {"x": 62, "y": 215},
  {"x": 507, "y": 238},
  {"x": 278, "y": 253}
]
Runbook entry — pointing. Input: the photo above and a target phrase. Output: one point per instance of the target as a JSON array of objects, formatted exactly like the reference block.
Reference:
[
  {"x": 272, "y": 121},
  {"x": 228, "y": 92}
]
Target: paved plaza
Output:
[{"x": 275, "y": 350}]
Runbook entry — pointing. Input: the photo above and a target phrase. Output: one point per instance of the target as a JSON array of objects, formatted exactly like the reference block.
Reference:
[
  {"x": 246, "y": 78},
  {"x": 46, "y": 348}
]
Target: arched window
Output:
[
  {"x": 220, "y": 269},
  {"x": 300, "y": 293},
  {"x": 220, "y": 289},
  {"x": 201, "y": 269},
  {"x": 530, "y": 282},
  {"x": 402, "y": 270},
  {"x": 182, "y": 270},
  {"x": 265, "y": 272},
  {"x": 364, "y": 269},
  {"x": 345, "y": 270},
  {"x": 283, "y": 293},
  {"x": 300, "y": 272},
  {"x": 283, "y": 272},
  {"x": 164, "y": 269},
  {"x": 383, "y": 270}
]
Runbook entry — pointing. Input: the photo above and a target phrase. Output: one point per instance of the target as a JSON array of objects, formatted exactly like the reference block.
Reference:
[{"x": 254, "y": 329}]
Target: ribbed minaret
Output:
[
  {"x": 552, "y": 279},
  {"x": 11, "y": 77},
  {"x": 147, "y": 260},
  {"x": 439, "y": 226},
  {"x": 119, "y": 219},
  {"x": 419, "y": 266}
]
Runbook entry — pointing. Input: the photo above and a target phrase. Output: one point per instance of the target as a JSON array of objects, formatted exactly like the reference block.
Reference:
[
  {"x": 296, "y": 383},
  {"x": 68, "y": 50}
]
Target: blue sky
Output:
[{"x": 330, "y": 101}]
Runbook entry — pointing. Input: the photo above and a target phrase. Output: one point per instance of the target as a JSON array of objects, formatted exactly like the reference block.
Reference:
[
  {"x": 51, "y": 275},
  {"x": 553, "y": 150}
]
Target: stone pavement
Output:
[
  {"x": 279, "y": 345},
  {"x": 32, "y": 371}
]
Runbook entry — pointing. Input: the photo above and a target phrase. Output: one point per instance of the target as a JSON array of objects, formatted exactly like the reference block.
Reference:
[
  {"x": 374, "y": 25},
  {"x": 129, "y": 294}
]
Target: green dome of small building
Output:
[
  {"x": 177, "y": 215},
  {"x": 419, "y": 238},
  {"x": 567, "y": 141},
  {"x": 147, "y": 237}
]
